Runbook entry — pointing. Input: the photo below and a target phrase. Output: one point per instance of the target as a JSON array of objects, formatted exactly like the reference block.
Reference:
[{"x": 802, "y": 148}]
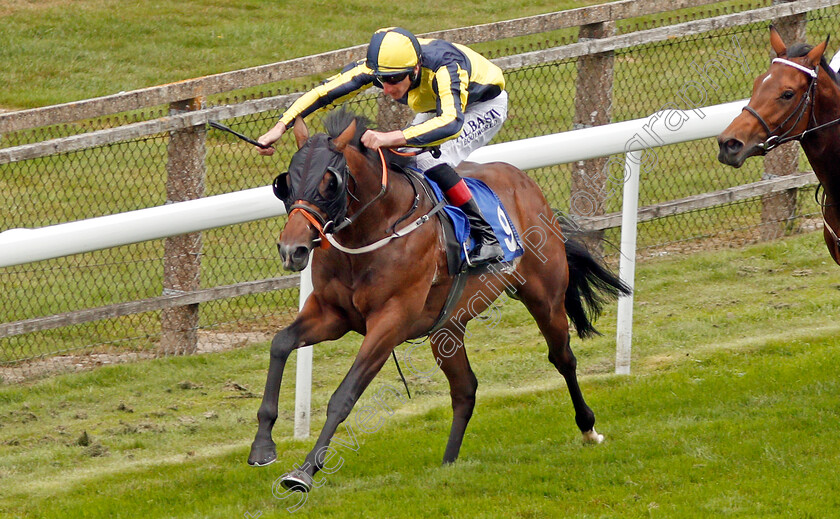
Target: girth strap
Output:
[{"x": 455, "y": 293}]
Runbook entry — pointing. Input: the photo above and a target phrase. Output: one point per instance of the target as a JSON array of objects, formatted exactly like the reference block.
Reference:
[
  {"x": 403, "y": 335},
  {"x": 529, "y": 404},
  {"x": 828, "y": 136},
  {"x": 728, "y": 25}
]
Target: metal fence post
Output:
[
  {"x": 627, "y": 262},
  {"x": 303, "y": 367},
  {"x": 778, "y": 210},
  {"x": 593, "y": 100},
  {"x": 182, "y": 254}
]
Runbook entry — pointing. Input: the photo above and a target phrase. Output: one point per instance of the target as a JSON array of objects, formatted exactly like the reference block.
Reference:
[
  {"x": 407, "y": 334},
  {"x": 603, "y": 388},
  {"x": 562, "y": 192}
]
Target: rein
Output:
[
  {"x": 327, "y": 230},
  {"x": 314, "y": 218},
  {"x": 384, "y": 241},
  {"x": 823, "y": 207},
  {"x": 329, "y": 227},
  {"x": 807, "y": 100},
  {"x": 775, "y": 140}
]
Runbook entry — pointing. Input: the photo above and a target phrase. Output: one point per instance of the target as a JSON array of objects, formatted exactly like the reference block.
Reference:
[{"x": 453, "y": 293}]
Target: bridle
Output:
[
  {"x": 330, "y": 227},
  {"x": 327, "y": 229},
  {"x": 395, "y": 233},
  {"x": 774, "y": 140},
  {"x": 325, "y": 226},
  {"x": 777, "y": 140},
  {"x": 805, "y": 102}
]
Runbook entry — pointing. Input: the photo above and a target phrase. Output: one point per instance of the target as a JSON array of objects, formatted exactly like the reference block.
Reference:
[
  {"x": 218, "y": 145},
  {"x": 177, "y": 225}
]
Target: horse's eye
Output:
[
  {"x": 331, "y": 185},
  {"x": 787, "y": 94}
]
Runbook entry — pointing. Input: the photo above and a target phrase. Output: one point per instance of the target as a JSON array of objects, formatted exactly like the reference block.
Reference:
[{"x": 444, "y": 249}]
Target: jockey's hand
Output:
[
  {"x": 269, "y": 138},
  {"x": 375, "y": 140}
]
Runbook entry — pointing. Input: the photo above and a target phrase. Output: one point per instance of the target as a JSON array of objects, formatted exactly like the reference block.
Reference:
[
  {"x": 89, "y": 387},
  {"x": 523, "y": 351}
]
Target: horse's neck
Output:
[
  {"x": 823, "y": 146},
  {"x": 826, "y": 164},
  {"x": 374, "y": 221}
]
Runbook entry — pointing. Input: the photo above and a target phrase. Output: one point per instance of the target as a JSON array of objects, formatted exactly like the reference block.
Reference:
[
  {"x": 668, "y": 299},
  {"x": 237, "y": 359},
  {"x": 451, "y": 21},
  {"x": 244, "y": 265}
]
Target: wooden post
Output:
[
  {"x": 392, "y": 115},
  {"x": 777, "y": 210},
  {"x": 593, "y": 99},
  {"x": 182, "y": 254}
]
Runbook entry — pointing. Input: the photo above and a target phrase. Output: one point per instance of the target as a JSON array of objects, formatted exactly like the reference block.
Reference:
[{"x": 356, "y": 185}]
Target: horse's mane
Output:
[
  {"x": 797, "y": 50},
  {"x": 338, "y": 120}
]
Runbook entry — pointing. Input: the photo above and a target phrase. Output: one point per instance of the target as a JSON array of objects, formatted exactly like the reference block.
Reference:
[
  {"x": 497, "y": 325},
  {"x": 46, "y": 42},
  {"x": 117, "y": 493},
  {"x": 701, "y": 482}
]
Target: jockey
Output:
[{"x": 457, "y": 94}]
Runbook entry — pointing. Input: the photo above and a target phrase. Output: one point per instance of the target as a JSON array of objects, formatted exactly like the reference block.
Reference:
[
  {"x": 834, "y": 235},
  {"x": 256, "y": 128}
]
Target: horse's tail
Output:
[{"x": 591, "y": 284}]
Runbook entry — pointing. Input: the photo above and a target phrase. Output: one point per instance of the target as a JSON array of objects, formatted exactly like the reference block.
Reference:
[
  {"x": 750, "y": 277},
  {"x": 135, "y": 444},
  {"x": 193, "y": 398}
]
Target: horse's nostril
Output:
[
  {"x": 733, "y": 145},
  {"x": 293, "y": 257},
  {"x": 300, "y": 253}
]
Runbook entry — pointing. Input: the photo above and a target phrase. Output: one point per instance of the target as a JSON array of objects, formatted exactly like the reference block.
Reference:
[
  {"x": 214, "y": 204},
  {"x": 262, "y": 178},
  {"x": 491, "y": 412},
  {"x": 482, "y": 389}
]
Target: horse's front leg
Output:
[
  {"x": 315, "y": 323},
  {"x": 383, "y": 335}
]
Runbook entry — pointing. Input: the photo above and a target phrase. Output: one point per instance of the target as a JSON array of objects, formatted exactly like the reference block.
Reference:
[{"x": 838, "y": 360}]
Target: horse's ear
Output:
[
  {"x": 776, "y": 42},
  {"x": 301, "y": 132},
  {"x": 343, "y": 140},
  {"x": 817, "y": 52}
]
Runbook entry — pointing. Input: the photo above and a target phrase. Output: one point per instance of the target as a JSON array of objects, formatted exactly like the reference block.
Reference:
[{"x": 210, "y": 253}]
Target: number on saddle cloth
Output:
[{"x": 495, "y": 213}]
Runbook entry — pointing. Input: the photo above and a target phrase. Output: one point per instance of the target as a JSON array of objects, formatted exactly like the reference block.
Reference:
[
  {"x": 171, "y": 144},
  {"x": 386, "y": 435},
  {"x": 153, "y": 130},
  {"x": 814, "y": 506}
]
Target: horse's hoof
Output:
[
  {"x": 297, "y": 480},
  {"x": 262, "y": 455},
  {"x": 592, "y": 437}
]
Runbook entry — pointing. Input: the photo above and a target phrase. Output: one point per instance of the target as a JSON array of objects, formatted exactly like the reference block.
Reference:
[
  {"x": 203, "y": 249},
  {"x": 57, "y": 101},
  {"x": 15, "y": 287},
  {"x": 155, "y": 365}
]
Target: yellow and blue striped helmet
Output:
[{"x": 392, "y": 50}]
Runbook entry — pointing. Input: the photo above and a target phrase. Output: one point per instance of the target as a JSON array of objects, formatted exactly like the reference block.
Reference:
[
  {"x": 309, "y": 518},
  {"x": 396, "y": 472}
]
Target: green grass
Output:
[
  {"x": 731, "y": 411},
  {"x": 61, "y": 51}
]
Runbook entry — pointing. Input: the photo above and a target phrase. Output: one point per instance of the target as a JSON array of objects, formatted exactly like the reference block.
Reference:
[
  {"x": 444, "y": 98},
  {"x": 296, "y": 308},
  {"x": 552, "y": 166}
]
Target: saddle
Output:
[
  {"x": 457, "y": 240},
  {"x": 456, "y": 226}
]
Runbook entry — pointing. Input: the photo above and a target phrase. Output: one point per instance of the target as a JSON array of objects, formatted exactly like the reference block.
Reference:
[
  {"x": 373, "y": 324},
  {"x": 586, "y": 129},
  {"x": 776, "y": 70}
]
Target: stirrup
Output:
[{"x": 495, "y": 258}]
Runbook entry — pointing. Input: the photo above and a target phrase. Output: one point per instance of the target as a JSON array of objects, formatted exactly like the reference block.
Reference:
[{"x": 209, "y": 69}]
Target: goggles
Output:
[{"x": 391, "y": 79}]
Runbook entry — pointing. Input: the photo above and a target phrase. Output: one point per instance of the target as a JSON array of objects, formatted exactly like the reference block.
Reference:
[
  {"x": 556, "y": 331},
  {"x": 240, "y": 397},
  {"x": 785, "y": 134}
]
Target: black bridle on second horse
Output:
[
  {"x": 777, "y": 140},
  {"x": 805, "y": 102}
]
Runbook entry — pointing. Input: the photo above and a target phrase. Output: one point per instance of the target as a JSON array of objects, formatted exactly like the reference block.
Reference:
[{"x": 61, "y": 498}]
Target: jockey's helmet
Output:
[{"x": 392, "y": 51}]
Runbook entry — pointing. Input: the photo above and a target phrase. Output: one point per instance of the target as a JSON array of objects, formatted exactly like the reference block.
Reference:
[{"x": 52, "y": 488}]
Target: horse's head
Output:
[
  {"x": 780, "y": 105},
  {"x": 314, "y": 189}
]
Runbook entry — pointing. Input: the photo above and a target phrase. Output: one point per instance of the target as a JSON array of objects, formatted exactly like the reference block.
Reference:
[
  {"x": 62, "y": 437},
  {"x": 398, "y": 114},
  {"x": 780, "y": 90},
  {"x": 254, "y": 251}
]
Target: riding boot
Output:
[
  {"x": 487, "y": 246},
  {"x": 457, "y": 192}
]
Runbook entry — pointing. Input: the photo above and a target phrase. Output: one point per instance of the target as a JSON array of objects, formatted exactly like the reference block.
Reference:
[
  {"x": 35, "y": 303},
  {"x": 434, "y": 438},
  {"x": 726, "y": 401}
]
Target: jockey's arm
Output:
[
  {"x": 375, "y": 140},
  {"x": 452, "y": 82},
  {"x": 337, "y": 89},
  {"x": 270, "y": 137}
]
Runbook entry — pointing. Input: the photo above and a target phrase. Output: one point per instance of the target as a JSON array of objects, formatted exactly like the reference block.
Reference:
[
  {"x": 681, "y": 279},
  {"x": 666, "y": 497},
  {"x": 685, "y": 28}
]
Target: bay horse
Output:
[
  {"x": 396, "y": 292},
  {"x": 798, "y": 98}
]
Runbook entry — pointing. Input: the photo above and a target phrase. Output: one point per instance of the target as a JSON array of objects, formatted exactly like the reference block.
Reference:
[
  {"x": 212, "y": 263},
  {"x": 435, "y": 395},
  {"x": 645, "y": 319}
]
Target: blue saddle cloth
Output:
[{"x": 495, "y": 213}]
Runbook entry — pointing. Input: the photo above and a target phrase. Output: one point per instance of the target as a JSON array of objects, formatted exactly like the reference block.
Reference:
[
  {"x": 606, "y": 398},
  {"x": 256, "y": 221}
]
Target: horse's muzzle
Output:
[
  {"x": 294, "y": 257},
  {"x": 734, "y": 153}
]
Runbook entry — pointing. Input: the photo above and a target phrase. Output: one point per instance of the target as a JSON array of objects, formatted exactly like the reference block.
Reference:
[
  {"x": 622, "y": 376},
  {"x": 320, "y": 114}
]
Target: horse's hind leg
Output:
[
  {"x": 544, "y": 296},
  {"x": 448, "y": 349}
]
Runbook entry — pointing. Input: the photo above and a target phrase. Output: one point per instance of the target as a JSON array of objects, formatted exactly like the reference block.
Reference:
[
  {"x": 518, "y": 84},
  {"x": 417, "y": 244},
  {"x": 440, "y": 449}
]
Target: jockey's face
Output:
[{"x": 398, "y": 90}]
